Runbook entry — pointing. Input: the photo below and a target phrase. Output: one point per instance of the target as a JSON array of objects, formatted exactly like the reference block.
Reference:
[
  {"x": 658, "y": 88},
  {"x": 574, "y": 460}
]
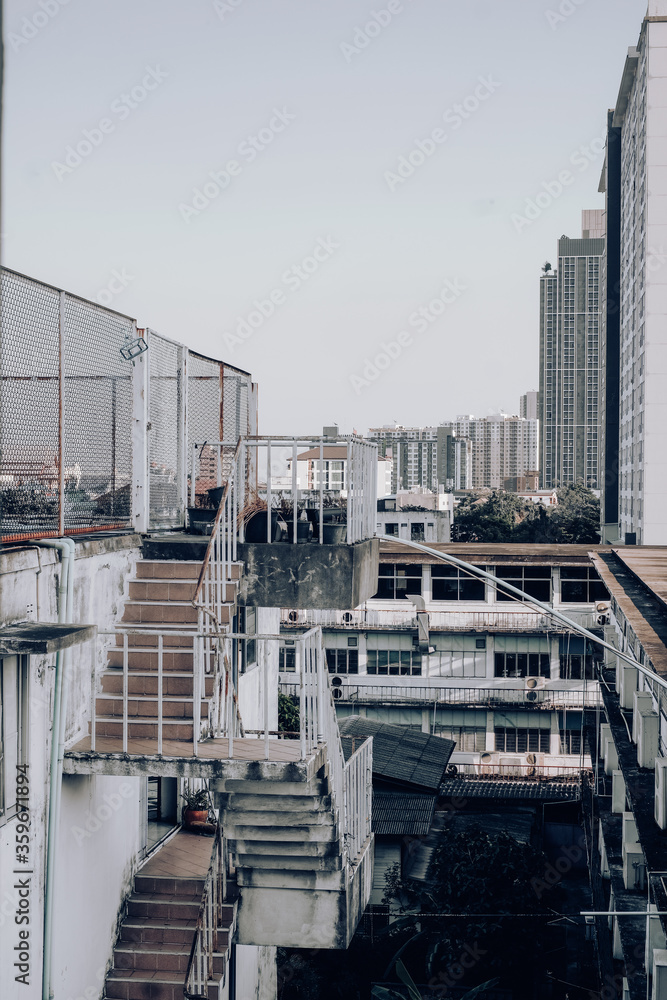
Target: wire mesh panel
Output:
[
  {"x": 65, "y": 413},
  {"x": 29, "y": 402},
  {"x": 204, "y": 418},
  {"x": 97, "y": 417},
  {"x": 166, "y": 440}
]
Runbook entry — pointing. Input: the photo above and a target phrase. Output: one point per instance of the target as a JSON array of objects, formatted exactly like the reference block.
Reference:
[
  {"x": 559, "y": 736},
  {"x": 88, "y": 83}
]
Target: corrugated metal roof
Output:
[
  {"x": 402, "y": 813},
  {"x": 402, "y": 754},
  {"x": 489, "y": 789},
  {"x": 494, "y": 553}
]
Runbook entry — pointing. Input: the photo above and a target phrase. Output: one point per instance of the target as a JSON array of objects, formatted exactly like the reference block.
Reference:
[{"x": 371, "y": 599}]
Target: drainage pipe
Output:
[{"x": 65, "y": 613}]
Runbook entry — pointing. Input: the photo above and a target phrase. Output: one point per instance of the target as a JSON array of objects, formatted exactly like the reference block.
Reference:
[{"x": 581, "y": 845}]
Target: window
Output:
[
  {"x": 570, "y": 741},
  {"x": 511, "y": 740},
  {"x": 287, "y": 656},
  {"x": 13, "y": 729},
  {"x": 535, "y": 580},
  {"x": 468, "y": 739},
  {"x": 449, "y": 583},
  {"x": 417, "y": 533},
  {"x": 397, "y": 580},
  {"x": 522, "y": 665},
  {"x": 577, "y": 658},
  {"x": 391, "y": 528},
  {"x": 343, "y": 661},
  {"x": 394, "y": 661},
  {"x": 247, "y": 647},
  {"x": 581, "y": 585}
]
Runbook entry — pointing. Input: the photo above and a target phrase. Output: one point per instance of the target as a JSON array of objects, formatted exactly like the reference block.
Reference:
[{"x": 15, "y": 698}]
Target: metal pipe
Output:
[{"x": 65, "y": 608}]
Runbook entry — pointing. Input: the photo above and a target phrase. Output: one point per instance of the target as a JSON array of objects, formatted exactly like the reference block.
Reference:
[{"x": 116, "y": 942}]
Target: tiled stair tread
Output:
[
  {"x": 145, "y": 976},
  {"x": 158, "y": 923},
  {"x": 148, "y": 947},
  {"x": 187, "y": 899}
]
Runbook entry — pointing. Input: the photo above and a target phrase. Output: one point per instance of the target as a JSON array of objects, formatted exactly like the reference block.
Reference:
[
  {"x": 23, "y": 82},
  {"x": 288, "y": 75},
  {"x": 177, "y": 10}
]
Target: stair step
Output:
[
  {"x": 158, "y": 957},
  {"x": 290, "y": 862},
  {"x": 172, "y": 729},
  {"x": 171, "y": 590},
  {"x": 168, "y": 885},
  {"x": 158, "y": 612},
  {"x": 146, "y": 660},
  {"x": 149, "y": 640},
  {"x": 276, "y": 819},
  {"x": 145, "y": 683},
  {"x": 158, "y": 569},
  {"x": 251, "y": 835},
  {"x": 164, "y": 906},
  {"x": 146, "y": 707},
  {"x": 233, "y": 804},
  {"x": 158, "y": 931},
  {"x": 286, "y": 848},
  {"x": 142, "y": 984}
]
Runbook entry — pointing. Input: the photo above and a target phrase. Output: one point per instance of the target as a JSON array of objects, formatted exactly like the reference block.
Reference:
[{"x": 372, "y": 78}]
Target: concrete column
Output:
[
  {"x": 490, "y": 737},
  {"x": 554, "y": 656},
  {"x": 490, "y": 655},
  {"x": 554, "y": 738}
]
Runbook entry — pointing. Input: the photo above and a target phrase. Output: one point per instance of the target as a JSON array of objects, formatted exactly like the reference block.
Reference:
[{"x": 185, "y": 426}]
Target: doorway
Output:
[{"x": 161, "y": 810}]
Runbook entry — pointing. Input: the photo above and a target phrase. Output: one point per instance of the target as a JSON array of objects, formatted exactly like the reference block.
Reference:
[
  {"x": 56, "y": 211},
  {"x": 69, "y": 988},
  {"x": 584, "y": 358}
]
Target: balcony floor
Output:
[{"x": 211, "y": 761}]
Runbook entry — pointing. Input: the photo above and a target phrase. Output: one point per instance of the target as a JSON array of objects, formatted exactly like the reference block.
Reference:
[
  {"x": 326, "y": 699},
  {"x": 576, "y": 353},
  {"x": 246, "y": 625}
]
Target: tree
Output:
[
  {"x": 505, "y": 517},
  {"x": 490, "y": 518},
  {"x": 288, "y": 713},
  {"x": 576, "y": 519}
]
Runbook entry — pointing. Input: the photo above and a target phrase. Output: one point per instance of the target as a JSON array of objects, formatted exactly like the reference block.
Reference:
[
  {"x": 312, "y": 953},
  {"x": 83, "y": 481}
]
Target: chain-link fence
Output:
[{"x": 91, "y": 441}]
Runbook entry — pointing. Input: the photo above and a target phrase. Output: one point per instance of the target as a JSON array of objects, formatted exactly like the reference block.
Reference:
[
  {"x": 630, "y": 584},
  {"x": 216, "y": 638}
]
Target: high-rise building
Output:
[
  {"x": 434, "y": 458},
  {"x": 635, "y": 363},
  {"x": 503, "y": 447},
  {"x": 528, "y": 405},
  {"x": 569, "y": 360}
]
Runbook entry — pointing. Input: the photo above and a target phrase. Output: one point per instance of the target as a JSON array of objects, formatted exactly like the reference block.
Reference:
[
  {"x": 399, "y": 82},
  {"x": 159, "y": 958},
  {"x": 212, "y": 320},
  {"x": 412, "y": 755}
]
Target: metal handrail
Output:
[{"x": 209, "y": 919}]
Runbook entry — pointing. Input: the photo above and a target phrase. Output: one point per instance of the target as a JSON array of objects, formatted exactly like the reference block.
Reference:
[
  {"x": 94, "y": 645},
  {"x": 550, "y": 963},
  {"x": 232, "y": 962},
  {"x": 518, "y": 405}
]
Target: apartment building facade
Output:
[
  {"x": 503, "y": 447},
  {"x": 434, "y": 458},
  {"x": 569, "y": 407}
]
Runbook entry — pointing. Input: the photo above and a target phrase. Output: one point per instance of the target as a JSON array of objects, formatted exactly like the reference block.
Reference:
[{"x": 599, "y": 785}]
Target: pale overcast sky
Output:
[{"x": 303, "y": 110}]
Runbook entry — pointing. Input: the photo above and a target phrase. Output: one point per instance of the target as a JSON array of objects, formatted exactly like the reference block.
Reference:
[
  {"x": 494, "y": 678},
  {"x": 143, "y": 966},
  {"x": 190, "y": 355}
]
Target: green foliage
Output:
[
  {"x": 27, "y": 502},
  {"x": 504, "y": 517},
  {"x": 288, "y": 713}
]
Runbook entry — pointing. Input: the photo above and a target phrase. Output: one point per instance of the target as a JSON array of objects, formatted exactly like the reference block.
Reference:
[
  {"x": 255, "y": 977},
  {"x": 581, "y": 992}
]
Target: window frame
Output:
[{"x": 460, "y": 580}]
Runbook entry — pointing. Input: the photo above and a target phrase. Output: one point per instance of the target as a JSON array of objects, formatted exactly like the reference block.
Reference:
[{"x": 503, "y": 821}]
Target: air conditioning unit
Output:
[
  {"x": 534, "y": 762},
  {"x": 348, "y": 618},
  {"x": 659, "y": 974},
  {"x": 602, "y": 606},
  {"x": 660, "y": 804},
  {"x": 533, "y": 684},
  {"x": 602, "y": 619},
  {"x": 293, "y": 617},
  {"x": 337, "y": 687}
]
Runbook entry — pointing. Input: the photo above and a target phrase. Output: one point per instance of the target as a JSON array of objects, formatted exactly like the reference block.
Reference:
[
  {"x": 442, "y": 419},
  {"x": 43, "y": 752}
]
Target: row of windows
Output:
[
  {"x": 472, "y": 739},
  {"x": 579, "y": 584}
]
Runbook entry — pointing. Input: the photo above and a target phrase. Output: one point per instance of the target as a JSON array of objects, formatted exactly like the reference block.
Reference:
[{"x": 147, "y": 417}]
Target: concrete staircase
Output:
[
  {"x": 160, "y": 597},
  {"x": 151, "y": 956},
  {"x": 297, "y": 889}
]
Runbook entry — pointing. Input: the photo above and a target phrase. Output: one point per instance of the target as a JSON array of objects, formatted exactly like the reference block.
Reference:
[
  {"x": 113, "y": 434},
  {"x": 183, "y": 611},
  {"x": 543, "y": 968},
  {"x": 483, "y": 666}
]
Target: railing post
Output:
[
  {"x": 299, "y": 664},
  {"x": 182, "y": 432},
  {"x": 159, "y": 695},
  {"x": 265, "y": 678},
  {"x": 140, "y": 451},
  {"x": 125, "y": 686},
  {"x": 62, "y": 322},
  {"x": 320, "y": 664},
  {"x": 93, "y": 699}
]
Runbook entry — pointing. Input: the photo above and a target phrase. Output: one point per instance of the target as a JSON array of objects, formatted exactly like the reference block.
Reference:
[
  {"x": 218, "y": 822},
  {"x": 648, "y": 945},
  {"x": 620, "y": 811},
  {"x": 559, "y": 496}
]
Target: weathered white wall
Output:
[
  {"x": 251, "y": 684},
  {"x": 256, "y": 974},
  {"x": 93, "y": 865}
]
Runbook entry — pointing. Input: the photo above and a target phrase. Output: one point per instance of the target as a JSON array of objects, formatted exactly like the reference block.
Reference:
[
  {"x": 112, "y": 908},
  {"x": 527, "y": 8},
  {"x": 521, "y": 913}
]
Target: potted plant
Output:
[
  {"x": 304, "y": 529},
  {"x": 253, "y": 517},
  {"x": 196, "y": 806}
]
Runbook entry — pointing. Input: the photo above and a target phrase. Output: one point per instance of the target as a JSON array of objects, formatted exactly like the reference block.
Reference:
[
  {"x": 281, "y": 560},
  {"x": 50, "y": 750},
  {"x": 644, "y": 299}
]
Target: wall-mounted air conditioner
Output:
[
  {"x": 648, "y": 732},
  {"x": 641, "y": 702},
  {"x": 617, "y": 792},
  {"x": 337, "y": 687},
  {"x": 660, "y": 803},
  {"x": 659, "y": 974},
  {"x": 534, "y": 761},
  {"x": 602, "y": 613},
  {"x": 655, "y": 939},
  {"x": 293, "y": 617},
  {"x": 627, "y": 683},
  {"x": 533, "y": 685},
  {"x": 348, "y": 618}
]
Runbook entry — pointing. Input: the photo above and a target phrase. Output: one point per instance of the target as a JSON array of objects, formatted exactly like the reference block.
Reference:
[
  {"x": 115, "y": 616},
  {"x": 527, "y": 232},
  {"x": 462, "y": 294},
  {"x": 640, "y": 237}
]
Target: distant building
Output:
[
  {"x": 435, "y": 458},
  {"x": 528, "y": 405},
  {"x": 333, "y": 472},
  {"x": 502, "y": 447},
  {"x": 523, "y": 484},
  {"x": 569, "y": 360}
]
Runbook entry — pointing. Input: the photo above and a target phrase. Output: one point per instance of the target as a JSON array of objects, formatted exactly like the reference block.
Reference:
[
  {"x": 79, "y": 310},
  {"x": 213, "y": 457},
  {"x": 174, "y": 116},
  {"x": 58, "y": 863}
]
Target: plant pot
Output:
[
  {"x": 200, "y": 520},
  {"x": 195, "y": 816},
  {"x": 334, "y": 534},
  {"x": 215, "y": 495},
  {"x": 304, "y": 530},
  {"x": 255, "y": 529}
]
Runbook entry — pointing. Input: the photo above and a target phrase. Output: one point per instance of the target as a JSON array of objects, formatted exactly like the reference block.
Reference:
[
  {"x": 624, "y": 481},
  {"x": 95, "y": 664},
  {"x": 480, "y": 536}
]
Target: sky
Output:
[{"x": 351, "y": 200}]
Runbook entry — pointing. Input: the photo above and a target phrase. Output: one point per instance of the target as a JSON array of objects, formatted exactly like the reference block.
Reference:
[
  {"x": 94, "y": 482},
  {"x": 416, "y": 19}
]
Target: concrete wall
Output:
[
  {"x": 94, "y": 863},
  {"x": 256, "y": 973},
  {"x": 280, "y": 575}
]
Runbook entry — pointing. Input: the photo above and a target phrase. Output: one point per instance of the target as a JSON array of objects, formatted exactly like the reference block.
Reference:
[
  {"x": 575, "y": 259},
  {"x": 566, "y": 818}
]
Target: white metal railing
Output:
[
  {"x": 438, "y": 620},
  {"x": 349, "y": 501},
  {"x": 358, "y": 798},
  {"x": 497, "y": 771},
  {"x": 347, "y": 691},
  {"x": 205, "y": 945}
]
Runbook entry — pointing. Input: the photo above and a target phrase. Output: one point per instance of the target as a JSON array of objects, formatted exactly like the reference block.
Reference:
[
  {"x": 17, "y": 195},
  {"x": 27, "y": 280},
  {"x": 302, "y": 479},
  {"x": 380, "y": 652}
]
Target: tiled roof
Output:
[
  {"x": 402, "y": 813},
  {"x": 401, "y": 754},
  {"x": 489, "y": 789}
]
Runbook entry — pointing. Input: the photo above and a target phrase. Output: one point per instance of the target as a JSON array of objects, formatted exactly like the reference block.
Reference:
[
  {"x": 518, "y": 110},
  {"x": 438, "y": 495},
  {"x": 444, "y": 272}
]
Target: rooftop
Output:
[{"x": 401, "y": 754}]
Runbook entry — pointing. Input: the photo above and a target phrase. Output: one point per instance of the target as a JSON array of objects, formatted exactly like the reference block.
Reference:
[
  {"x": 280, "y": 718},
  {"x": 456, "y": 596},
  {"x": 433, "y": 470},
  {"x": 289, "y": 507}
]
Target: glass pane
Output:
[
  {"x": 541, "y": 589},
  {"x": 471, "y": 590},
  {"x": 444, "y": 571},
  {"x": 575, "y": 592},
  {"x": 509, "y": 572},
  {"x": 536, "y": 573},
  {"x": 445, "y": 590}
]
